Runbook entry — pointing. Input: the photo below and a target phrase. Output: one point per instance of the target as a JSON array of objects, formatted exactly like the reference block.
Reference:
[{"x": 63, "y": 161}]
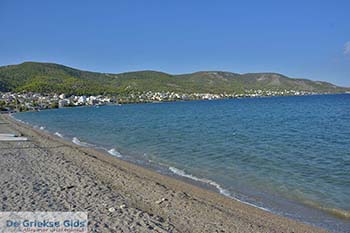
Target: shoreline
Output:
[
  {"x": 173, "y": 101},
  {"x": 158, "y": 168},
  {"x": 230, "y": 215}
]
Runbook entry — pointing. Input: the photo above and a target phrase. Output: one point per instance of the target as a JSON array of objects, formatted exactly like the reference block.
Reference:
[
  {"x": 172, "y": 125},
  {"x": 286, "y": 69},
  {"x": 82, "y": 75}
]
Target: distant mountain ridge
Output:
[{"x": 55, "y": 78}]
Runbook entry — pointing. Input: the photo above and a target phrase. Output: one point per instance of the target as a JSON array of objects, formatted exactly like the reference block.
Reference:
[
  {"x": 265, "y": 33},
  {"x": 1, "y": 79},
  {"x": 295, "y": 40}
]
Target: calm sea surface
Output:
[{"x": 290, "y": 155}]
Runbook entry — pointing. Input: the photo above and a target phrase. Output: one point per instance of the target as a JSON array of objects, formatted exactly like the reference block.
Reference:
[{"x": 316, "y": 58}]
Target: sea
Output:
[{"x": 286, "y": 155}]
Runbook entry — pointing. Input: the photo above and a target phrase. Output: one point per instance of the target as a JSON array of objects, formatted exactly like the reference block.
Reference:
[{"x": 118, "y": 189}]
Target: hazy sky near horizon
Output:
[{"x": 301, "y": 39}]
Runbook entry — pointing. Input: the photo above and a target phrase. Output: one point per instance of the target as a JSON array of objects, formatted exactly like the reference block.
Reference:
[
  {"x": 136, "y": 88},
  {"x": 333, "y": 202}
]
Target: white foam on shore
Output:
[
  {"x": 76, "y": 141},
  {"x": 58, "y": 134},
  {"x": 114, "y": 152},
  {"x": 212, "y": 183},
  {"x": 13, "y": 117},
  {"x": 19, "y": 120}
]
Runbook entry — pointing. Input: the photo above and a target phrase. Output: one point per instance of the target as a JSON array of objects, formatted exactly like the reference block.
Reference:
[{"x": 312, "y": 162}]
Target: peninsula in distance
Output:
[{"x": 144, "y": 86}]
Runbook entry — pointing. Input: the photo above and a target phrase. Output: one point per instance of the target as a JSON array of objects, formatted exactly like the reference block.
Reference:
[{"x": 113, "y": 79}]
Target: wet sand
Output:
[{"x": 47, "y": 173}]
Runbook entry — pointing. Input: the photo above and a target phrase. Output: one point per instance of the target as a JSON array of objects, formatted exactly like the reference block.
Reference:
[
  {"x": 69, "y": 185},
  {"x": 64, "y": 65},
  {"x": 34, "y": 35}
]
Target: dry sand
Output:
[{"x": 47, "y": 173}]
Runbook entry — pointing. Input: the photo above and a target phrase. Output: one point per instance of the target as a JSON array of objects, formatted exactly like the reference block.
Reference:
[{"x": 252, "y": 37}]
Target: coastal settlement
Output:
[{"x": 29, "y": 101}]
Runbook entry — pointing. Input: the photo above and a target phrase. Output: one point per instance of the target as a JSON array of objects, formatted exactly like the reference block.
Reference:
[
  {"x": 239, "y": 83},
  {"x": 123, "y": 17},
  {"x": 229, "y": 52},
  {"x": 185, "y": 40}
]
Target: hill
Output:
[{"x": 55, "y": 78}]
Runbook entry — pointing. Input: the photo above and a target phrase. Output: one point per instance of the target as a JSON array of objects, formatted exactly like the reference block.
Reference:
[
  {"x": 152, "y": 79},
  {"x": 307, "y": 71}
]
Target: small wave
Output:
[
  {"x": 340, "y": 213},
  {"x": 58, "y": 134},
  {"x": 76, "y": 141},
  {"x": 13, "y": 117},
  {"x": 210, "y": 182},
  {"x": 114, "y": 152},
  {"x": 16, "y": 119},
  {"x": 337, "y": 212},
  {"x": 216, "y": 185},
  {"x": 42, "y": 128}
]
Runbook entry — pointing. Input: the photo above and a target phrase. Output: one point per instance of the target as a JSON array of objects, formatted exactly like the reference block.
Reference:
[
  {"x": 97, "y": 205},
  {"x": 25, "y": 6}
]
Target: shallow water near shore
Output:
[{"x": 289, "y": 155}]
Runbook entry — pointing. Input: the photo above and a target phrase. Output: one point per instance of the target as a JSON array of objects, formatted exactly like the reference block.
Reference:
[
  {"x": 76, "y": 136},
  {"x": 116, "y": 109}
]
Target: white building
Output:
[
  {"x": 82, "y": 100},
  {"x": 63, "y": 103}
]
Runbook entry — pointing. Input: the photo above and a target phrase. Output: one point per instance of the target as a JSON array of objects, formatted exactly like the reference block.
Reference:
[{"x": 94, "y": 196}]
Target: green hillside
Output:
[{"x": 54, "y": 78}]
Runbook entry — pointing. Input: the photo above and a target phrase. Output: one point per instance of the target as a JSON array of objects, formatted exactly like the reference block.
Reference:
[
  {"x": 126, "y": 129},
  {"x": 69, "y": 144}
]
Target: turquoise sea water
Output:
[{"x": 289, "y": 155}]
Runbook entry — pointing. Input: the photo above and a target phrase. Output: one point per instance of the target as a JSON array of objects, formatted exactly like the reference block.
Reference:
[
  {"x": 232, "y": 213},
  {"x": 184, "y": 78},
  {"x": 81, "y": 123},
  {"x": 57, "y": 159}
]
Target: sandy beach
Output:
[{"x": 47, "y": 173}]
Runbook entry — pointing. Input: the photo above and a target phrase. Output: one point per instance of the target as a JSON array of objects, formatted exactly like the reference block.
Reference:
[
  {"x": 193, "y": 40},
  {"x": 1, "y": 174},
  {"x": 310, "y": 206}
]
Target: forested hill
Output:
[{"x": 55, "y": 78}]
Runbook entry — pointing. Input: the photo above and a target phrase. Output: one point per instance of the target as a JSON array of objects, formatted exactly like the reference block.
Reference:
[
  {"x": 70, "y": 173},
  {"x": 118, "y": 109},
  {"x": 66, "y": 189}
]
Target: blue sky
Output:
[{"x": 306, "y": 39}]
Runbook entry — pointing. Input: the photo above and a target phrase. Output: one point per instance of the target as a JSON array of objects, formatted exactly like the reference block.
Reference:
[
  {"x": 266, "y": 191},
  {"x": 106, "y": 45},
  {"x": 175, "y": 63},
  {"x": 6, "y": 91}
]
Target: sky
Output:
[{"x": 301, "y": 39}]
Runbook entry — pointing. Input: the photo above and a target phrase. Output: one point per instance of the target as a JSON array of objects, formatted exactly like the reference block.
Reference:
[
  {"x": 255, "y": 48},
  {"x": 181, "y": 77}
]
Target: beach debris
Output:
[
  {"x": 161, "y": 185},
  {"x": 161, "y": 201},
  {"x": 182, "y": 195},
  {"x": 111, "y": 209},
  {"x": 68, "y": 187}
]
